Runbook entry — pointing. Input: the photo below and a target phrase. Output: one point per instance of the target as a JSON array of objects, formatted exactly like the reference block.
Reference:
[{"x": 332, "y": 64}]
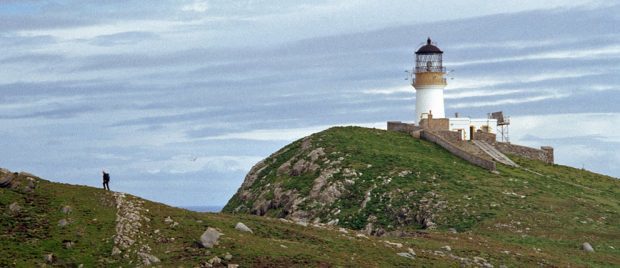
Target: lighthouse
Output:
[{"x": 429, "y": 81}]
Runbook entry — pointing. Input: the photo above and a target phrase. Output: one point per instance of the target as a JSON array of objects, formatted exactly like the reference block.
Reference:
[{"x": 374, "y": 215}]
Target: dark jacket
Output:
[{"x": 106, "y": 177}]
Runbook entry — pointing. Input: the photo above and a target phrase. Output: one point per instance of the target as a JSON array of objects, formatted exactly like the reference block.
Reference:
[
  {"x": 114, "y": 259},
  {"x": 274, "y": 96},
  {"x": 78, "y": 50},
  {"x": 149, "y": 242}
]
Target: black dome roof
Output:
[{"x": 429, "y": 48}]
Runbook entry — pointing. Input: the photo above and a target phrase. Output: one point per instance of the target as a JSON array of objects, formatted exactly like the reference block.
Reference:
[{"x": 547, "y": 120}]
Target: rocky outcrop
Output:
[{"x": 308, "y": 182}]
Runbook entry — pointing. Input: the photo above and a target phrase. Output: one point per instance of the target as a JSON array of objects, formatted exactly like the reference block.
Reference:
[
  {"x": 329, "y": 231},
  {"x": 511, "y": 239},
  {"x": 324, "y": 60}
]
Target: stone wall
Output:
[
  {"x": 479, "y": 135},
  {"x": 473, "y": 159},
  {"x": 451, "y": 136},
  {"x": 435, "y": 124},
  {"x": 544, "y": 154},
  {"x": 401, "y": 127}
]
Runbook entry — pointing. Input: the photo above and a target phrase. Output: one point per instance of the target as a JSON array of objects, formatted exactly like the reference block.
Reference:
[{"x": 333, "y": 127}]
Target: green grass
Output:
[
  {"x": 557, "y": 207},
  {"x": 561, "y": 208}
]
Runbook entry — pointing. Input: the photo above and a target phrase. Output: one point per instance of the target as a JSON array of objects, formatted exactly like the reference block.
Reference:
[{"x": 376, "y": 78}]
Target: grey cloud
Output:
[{"x": 123, "y": 38}]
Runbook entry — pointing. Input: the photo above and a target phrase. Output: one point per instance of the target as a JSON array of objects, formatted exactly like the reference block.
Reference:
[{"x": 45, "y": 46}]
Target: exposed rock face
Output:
[{"x": 311, "y": 182}]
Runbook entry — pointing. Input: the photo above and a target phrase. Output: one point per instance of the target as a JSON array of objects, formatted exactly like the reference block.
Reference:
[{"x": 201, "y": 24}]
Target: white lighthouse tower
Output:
[{"x": 429, "y": 81}]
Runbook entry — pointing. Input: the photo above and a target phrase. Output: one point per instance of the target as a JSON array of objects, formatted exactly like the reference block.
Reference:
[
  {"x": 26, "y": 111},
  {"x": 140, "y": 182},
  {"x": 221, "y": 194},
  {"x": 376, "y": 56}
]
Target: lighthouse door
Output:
[{"x": 471, "y": 132}]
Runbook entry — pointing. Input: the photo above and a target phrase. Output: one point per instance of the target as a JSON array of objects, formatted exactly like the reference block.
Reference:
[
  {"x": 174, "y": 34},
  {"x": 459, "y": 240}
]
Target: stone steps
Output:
[{"x": 494, "y": 153}]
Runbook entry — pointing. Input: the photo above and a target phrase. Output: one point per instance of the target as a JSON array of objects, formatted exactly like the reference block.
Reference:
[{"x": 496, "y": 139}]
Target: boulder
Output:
[
  {"x": 63, "y": 223},
  {"x": 148, "y": 259},
  {"x": 116, "y": 251},
  {"x": 446, "y": 248},
  {"x": 66, "y": 209},
  {"x": 242, "y": 227},
  {"x": 406, "y": 255},
  {"x": 215, "y": 260},
  {"x": 6, "y": 179},
  {"x": 209, "y": 238},
  {"x": 15, "y": 208},
  {"x": 228, "y": 256},
  {"x": 49, "y": 258},
  {"x": 587, "y": 247},
  {"x": 67, "y": 244}
]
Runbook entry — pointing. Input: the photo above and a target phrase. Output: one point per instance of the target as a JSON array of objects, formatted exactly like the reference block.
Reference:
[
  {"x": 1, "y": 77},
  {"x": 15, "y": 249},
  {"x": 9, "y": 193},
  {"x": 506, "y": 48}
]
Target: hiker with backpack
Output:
[{"x": 106, "y": 180}]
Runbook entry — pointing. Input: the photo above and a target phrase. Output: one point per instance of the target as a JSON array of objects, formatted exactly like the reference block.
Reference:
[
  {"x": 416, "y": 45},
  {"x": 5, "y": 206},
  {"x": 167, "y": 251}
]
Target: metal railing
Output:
[{"x": 426, "y": 69}]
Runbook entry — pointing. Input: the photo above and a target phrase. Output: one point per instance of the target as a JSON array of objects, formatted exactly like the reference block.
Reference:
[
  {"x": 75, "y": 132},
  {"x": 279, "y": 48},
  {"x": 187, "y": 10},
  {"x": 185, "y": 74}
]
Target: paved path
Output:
[{"x": 494, "y": 153}]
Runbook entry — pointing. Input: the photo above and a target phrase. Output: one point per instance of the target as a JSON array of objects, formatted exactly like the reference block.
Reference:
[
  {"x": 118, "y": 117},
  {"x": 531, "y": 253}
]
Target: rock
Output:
[
  {"x": 63, "y": 223},
  {"x": 228, "y": 256},
  {"x": 452, "y": 230},
  {"x": 168, "y": 220},
  {"x": 15, "y": 208},
  {"x": 215, "y": 260},
  {"x": 174, "y": 224},
  {"x": 49, "y": 258},
  {"x": 66, "y": 209},
  {"x": 333, "y": 222},
  {"x": 398, "y": 245},
  {"x": 68, "y": 244},
  {"x": 411, "y": 252},
  {"x": 148, "y": 259},
  {"x": 233, "y": 265},
  {"x": 209, "y": 238},
  {"x": 115, "y": 251},
  {"x": 300, "y": 167},
  {"x": 242, "y": 227},
  {"x": 587, "y": 247},
  {"x": 6, "y": 179},
  {"x": 406, "y": 255},
  {"x": 446, "y": 248}
]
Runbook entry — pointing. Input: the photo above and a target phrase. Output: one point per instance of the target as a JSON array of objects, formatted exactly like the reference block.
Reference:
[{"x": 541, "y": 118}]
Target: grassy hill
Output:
[
  {"x": 533, "y": 217},
  {"x": 387, "y": 183}
]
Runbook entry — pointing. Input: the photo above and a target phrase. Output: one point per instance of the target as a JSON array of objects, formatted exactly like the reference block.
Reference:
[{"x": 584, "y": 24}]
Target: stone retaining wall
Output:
[
  {"x": 402, "y": 127},
  {"x": 451, "y": 136},
  {"x": 490, "y": 138},
  {"x": 545, "y": 153},
  {"x": 473, "y": 159}
]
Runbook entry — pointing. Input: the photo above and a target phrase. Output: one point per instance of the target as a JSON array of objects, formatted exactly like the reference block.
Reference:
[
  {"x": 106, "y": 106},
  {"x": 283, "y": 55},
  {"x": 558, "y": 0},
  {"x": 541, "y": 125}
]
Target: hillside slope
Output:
[
  {"x": 386, "y": 183},
  {"x": 43, "y": 223}
]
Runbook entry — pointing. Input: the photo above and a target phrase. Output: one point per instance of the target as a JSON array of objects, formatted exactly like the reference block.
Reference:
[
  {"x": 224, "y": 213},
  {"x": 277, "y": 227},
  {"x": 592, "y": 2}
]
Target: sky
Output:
[{"x": 178, "y": 99}]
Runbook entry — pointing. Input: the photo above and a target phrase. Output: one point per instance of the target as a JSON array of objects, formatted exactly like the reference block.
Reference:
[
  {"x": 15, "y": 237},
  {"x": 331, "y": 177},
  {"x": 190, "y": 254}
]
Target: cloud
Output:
[
  {"x": 286, "y": 134},
  {"x": 148, "y": 88},
  {"x": 196, "y": 6},
  {"x": 123, "y": 38},
  {"x": 181, "y": 164}
]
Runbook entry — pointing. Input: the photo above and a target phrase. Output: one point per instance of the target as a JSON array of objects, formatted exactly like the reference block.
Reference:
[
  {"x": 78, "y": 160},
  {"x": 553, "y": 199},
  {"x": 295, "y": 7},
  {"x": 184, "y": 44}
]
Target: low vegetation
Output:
[{"x": 388, "y": 200}]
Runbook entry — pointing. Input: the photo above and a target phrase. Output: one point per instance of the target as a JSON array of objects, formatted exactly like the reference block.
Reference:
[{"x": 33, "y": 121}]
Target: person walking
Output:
[{"x": 106, "y": 180}]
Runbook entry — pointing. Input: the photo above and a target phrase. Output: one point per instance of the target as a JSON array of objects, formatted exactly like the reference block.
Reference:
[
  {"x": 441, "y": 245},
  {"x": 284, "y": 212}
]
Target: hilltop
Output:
[
  {"x": 389, "y": 184},
  {"x": 421, "y": 206}
]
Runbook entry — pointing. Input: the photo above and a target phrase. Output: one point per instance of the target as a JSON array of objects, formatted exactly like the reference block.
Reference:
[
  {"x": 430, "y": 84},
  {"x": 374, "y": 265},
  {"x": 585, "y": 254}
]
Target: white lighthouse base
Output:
[{"x": 429, "y": 99}]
